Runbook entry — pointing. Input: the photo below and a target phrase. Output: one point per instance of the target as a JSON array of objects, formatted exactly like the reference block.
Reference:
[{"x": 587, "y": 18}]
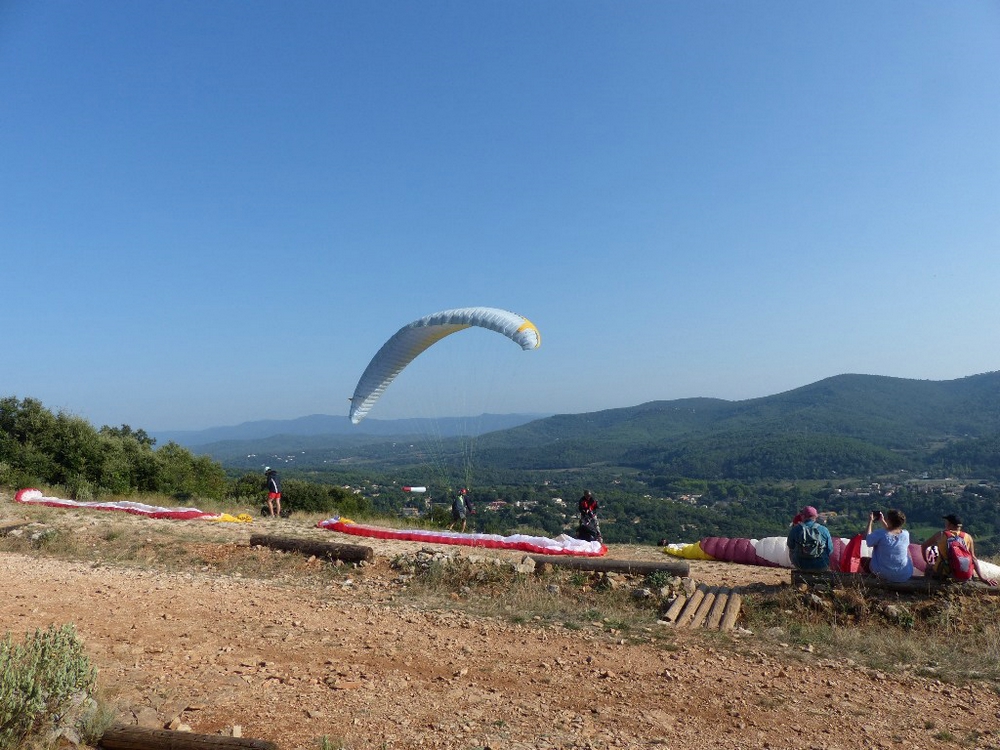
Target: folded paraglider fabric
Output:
[
  {"x": 560, "y": 545},
  {"x": 30, "y": 496}
]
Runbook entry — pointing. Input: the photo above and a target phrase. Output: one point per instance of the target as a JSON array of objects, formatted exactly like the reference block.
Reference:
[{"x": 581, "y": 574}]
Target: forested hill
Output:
[{"x": 848, "y": 424}]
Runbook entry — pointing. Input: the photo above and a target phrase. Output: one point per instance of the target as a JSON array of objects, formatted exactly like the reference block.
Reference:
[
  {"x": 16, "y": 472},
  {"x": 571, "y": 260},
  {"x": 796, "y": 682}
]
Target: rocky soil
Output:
[{"x": 301, "y": 657}]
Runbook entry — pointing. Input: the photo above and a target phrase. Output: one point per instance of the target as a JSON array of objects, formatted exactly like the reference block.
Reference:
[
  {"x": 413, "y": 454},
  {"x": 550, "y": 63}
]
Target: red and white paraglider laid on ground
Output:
[
  {"x": 540, "y": 545},
  {"x": 773, "y": 551},
  {"x": 35, "y": 497}
]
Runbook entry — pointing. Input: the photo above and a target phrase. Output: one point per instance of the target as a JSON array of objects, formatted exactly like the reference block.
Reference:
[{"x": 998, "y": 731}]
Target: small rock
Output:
[{"x": 147, "y": 718}]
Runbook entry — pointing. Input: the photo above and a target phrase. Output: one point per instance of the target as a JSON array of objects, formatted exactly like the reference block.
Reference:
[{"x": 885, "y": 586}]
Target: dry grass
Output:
[
  {"x": 952, "y": 634},
  {"x": 570, "y": 599}
]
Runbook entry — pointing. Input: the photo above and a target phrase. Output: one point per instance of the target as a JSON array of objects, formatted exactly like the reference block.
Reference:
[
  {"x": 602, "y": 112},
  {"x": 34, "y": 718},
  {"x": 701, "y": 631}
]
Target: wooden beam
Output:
[
  {"x": 703, "y": 609},
  {"x": 718, "y": 608},
  {"x": 135, "y": 738},
  {"x": 605, "y": 565},
  {"x": 674, "y": 610},
  {"x": 693, "y": 603},
  {"x": 732, "y": 610},
  {"x": 326, "y": 550},
  {"x": 8, "y": 526},
  {"x": 918, "y": 584}
]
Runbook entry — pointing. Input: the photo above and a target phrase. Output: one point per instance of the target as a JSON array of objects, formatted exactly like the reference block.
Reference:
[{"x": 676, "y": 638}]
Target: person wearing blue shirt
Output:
[
  {"x": 809, "y": 543},
  {"x": 890, "y": 547}
]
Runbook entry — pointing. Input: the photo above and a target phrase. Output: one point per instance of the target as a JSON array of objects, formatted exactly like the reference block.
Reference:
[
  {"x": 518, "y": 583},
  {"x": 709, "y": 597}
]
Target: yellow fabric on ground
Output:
[{"x": 692, "y": 551}]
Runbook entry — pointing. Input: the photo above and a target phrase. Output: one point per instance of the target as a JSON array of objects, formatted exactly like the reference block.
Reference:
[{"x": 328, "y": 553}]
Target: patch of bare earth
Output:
[{"x": 290, "y": 660}]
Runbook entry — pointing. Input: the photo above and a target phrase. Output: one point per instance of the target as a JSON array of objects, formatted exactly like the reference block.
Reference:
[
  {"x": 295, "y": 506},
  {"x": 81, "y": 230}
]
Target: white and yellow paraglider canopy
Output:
[{"x": 416, "y": 337}]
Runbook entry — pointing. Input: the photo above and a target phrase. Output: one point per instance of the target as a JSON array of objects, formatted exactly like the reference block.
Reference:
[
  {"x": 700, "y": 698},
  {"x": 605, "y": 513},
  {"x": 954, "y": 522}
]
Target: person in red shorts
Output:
[{"x": 273, "y": 491}]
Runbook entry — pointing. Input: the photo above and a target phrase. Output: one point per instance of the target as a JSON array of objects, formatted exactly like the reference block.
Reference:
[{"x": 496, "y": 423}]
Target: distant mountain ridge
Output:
[
  {"x": 856, "y": 425},
  {"x": 325, "y": 424},
  {"x": 860, "y": 422}
]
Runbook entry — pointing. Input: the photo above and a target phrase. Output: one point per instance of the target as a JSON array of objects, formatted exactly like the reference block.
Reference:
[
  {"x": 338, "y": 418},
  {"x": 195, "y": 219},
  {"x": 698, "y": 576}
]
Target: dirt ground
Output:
[{"x": 291, "y": 663}]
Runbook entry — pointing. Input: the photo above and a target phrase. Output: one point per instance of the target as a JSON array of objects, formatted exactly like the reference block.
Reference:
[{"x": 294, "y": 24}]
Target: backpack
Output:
[
  {"x": 458, "y": 505},
  {"x": 812, "y": 543},
  {"x": 589, "y": 530},
  {"x": 959, "y": 558}
]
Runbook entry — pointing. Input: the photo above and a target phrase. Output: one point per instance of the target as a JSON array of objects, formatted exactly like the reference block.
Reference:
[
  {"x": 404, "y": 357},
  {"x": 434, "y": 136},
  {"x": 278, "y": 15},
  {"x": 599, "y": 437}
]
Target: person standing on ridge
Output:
[
  {"x": 590, "y": 529},
  {"x": 273, "y": 491},
  {"x": 461, "y": 507}
]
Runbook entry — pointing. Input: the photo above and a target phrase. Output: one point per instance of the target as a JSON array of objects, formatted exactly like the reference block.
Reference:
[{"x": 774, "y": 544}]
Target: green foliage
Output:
[
  {"x": 849, "y": 425},
  {"x": 40, "y": 448},
  {"x": 306, "y": 496},
  {"x": 39, "y": 679},
  {"x": 302, "y": 496},
  {"x": 184, "y": 476}
]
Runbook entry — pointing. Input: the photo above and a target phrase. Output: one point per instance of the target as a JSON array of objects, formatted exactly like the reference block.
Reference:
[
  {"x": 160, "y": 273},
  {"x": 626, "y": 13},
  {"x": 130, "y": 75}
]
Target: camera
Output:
[{"x": 877, "y": 513}]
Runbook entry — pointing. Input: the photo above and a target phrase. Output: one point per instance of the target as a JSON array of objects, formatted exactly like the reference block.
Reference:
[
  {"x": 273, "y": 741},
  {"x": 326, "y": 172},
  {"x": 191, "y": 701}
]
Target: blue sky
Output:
[{"x": 213, "y": 213}]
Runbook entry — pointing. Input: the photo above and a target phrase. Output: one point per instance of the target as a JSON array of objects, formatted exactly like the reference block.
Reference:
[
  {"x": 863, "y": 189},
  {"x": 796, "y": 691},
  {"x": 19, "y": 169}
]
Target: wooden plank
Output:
[
  {"x": 732, "y": 612},
  {"x": 918, "y": 584},
  {"x": 715, "y": 614},
  {"x": 135, "y": 738},
  {"x": 8, "y": 526},
  {"x": 326, "y": 550},
  {"x": 605, "y": 565},
  {"x": 674, "y": 610},
  {"x": 703, "y": 609},
  {"x": 687, "y": 614}
]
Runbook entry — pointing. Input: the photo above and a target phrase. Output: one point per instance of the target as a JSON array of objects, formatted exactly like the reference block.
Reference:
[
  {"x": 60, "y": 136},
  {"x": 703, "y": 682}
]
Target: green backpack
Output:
[{"x": 812, "y": 543}]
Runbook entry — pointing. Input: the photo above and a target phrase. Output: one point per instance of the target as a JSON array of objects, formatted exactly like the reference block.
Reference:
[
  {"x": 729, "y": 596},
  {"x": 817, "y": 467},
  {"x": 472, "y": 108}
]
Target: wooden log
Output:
[
  {"x": 135, "y": 738},
  {"x": 604, "y": 565},
  {"x": 732, "y": 612},
  {"x": 674, "y": 610},
  {"x": 703, "y": 609},
  {"x": 7, "y": 527},
  {"x": 917, "y": 584},
  {"x": 692, "y": 606},
  {"x": 326, "y": 550},
  {"x": 715, "y": 614}
]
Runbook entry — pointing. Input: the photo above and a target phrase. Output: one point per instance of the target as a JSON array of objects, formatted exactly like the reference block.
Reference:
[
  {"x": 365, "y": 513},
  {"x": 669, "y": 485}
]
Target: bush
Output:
[
  {"x": 306, "y": 497},
  {"x": 39, "y": 681}
]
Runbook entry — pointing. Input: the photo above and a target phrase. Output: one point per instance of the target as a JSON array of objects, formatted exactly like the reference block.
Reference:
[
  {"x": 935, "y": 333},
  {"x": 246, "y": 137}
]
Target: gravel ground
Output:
[{"x": 292, "y": 661}]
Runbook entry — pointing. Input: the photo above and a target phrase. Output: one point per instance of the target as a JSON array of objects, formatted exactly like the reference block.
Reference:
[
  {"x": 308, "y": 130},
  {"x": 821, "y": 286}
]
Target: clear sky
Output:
[{"x": 216, "y": 212}]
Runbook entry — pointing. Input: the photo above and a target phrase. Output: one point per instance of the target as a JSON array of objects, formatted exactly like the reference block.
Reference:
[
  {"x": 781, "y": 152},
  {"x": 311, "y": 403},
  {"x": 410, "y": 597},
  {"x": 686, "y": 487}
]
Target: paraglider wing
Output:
[{"x": 416, "y": 337}]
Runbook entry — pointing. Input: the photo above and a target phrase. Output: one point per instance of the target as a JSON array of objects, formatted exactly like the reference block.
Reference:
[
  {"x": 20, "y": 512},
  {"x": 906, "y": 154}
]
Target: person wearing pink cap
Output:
[{"x": 809, "y": 543}]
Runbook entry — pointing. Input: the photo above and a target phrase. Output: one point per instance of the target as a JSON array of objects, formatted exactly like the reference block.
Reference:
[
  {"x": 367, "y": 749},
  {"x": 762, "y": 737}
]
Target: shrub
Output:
[
  {"x": 305, "y": 496},
  {"x": 39, "y": 681}
]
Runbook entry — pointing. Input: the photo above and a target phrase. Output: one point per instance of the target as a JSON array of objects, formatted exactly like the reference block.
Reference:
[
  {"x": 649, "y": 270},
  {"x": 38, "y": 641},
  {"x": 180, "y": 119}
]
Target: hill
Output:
[
  {"x": 328, "y": 425},
  {"x": 843, "y": 425}
]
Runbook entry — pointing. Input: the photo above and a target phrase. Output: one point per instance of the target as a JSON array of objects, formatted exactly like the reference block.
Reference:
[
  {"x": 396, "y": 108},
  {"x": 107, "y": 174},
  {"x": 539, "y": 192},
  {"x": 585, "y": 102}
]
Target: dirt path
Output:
[{"x": 292, "y": 663}]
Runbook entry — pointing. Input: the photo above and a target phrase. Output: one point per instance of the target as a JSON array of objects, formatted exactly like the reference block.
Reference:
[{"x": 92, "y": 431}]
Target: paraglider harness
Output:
[
  {"x": 590, "y": 529},
  {"x": 957, "y": 564}
]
